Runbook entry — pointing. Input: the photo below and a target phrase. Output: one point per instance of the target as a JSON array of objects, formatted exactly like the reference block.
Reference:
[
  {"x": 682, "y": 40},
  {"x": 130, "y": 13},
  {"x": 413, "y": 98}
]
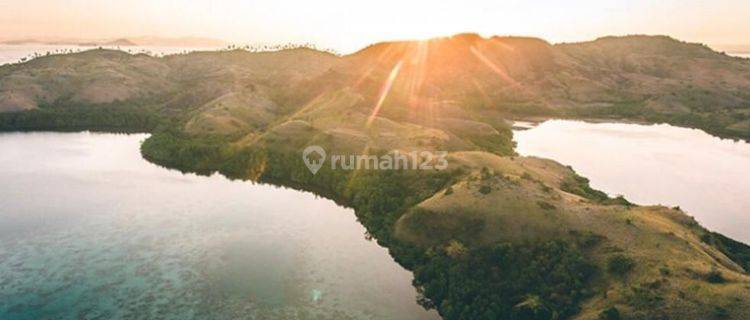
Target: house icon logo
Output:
[{"x": 314, "y": 157}]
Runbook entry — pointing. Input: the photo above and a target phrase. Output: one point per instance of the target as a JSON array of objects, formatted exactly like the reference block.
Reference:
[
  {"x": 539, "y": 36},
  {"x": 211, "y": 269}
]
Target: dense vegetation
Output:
[
  {"x": 176, "y": 150},
  {"x": 110, "y": 119},
  {"x": 716, "y": 122},
  {"x": 505, "y": 281},
  {"x": 579, "y": 185},
  {"x": 735, "y": 250}
]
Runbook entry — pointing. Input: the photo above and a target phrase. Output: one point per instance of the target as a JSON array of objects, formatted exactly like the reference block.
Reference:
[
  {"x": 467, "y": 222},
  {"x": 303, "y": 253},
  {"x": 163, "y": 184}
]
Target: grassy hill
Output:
[
  {"x": 492, "y": 236},
  {"x": 645, "y": 78}
]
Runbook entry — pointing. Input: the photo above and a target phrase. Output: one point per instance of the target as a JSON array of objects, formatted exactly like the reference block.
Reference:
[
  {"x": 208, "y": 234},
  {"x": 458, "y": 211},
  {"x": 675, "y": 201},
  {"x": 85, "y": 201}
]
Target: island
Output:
[{"x": 494, "y": 235}]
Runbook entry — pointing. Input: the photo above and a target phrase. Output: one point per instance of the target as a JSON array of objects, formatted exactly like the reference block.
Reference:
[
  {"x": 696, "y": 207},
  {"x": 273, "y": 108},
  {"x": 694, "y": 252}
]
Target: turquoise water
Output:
[
  {"x": 706, "y": 176},
  {"x": 89, "y": 230}
]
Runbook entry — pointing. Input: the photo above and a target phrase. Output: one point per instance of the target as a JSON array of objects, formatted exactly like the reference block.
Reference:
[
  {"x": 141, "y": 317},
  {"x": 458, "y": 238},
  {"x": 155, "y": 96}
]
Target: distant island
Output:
[
  {"x": 124, "y": 42},
  {"x": 493, "y": 236}
]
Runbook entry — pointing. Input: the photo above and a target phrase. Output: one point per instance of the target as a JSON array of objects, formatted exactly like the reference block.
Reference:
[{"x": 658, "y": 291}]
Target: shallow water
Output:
[
  {"x": 706, "y": 176},
  {"x": 89, "y": 230}
]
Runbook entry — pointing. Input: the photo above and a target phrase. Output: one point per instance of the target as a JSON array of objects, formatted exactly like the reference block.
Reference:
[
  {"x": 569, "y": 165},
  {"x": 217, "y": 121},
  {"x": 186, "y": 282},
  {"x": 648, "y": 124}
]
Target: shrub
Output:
[
  {"x": 455, "y": 249},
  {"x": 620, "y": 264},
  {"x": 546, "y": 188},
  {"x": 720, "y": 313},
  {"x": 546, "y": 205},
  {"x": 448, "y": 191},
  {"x": 485, "y": 189},
  {"x": 578, "y": 185},
  {"x": 644, "y": 298},
  {"x": 532, "y": 307},
  {"x": 665, "y": 271},
  {"x": 715, "y": 276},
  {"x": 586, "y": 239},
  {"x": 486, "y": 174},
  {"x": 610, "y": 313}
]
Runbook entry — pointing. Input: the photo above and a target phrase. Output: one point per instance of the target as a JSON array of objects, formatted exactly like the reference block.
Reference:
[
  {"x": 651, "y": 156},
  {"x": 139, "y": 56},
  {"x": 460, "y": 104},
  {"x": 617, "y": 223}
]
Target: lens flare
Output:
[
  {"x": 496, "y": 69},
  {"x": 384, "y": 92}
]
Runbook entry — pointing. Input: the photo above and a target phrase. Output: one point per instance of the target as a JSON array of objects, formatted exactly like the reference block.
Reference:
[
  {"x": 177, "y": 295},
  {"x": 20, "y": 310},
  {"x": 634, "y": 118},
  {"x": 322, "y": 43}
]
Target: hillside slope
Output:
[
  {"x": 637, "y": 77},
  {"x": 645, "y": 78}
]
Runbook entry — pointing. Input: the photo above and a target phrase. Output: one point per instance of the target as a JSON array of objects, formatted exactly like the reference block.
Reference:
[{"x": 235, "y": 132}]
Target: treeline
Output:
[
  {"x": 110, "y": 119},
  {"x": 175, "y": 150},
  {"x": 579, "y": 185},
  {"x": 715, "y": 122}
]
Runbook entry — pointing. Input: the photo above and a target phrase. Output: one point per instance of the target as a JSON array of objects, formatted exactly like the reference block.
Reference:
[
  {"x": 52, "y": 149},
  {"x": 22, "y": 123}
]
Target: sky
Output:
[{"x": 348, "y": 25}]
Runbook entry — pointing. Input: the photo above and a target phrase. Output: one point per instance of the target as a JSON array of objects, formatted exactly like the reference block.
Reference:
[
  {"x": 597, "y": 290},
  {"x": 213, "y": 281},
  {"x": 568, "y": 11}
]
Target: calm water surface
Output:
[
  {"x": 706, "y": 176},
  {"x": 89, "y": 230}
]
